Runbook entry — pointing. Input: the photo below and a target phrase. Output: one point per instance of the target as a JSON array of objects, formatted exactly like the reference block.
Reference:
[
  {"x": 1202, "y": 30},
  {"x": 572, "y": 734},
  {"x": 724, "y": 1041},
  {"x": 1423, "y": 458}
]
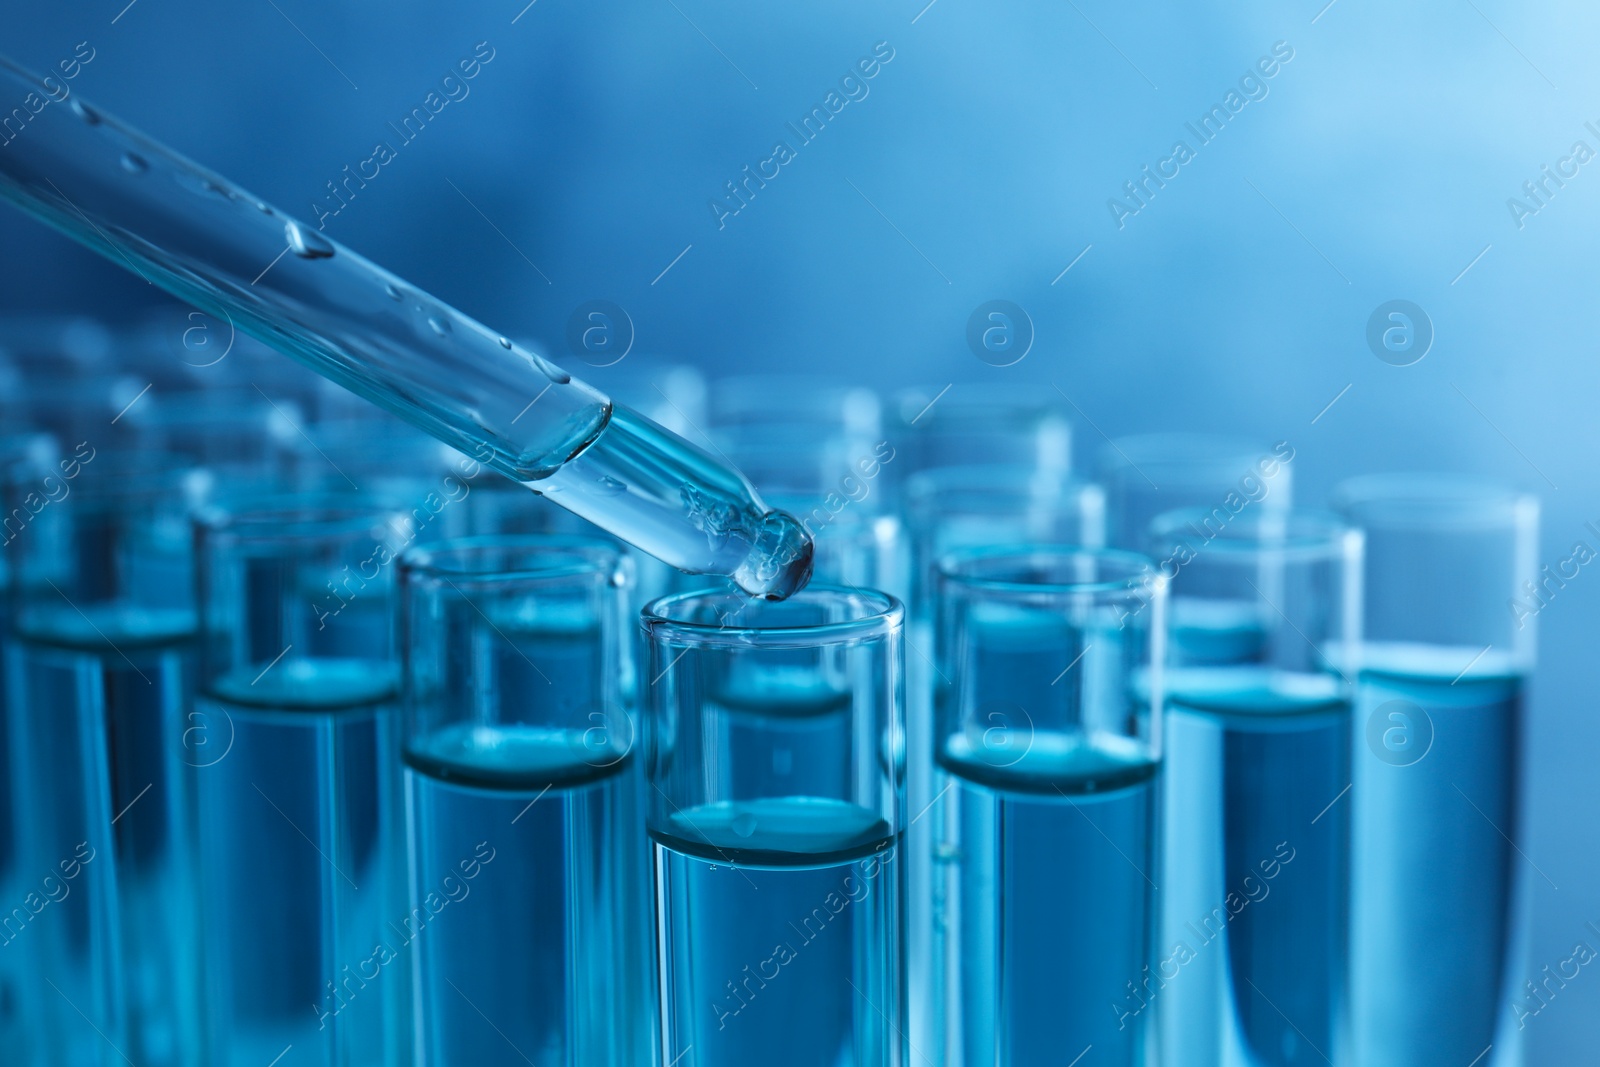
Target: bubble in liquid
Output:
[
  {"x": 505, "y": 342},
  {"x": 307, "y": 244},
  {"x": 441, "y": 326},
  {"x": 134, "y": 163},
  {"x": 744, "y": 824},
  {"x": 86, "y": 113}
]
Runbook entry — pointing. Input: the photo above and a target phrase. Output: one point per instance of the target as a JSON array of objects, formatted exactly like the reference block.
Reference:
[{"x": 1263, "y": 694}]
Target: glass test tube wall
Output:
[
  {"x": 528, "y": 866},
  {"x": 1049, "y": 724},
  {"x": 1147, "y": 474},
  {"x": 774, "y": 746},
  {"x": 826, "y": 461},
  {"x": 302, "y": 904},
  {"x": 99, "y": 674},
  {"x": 37, "y": 452},
  {"x": 1439, "y": 733},
  {"x": 1265, "y": 613}
]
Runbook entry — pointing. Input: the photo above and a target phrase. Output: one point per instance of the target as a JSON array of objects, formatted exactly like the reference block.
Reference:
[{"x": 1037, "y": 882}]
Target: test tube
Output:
[
  {"x": 302, "y": 894},
  {"x": 984, "y": 504},
  {"x": 99, "y": 677},
  {"x": 194, "y": 233},
  {"x": 1264, "y": 613},
  {"x": 854, "y": 547},
  {"x": 1148, "y": 474},
  {"x": 17, "y": 1029},
  {"x": 825, "y": 463},
  {"x": 774, "y": 747},
  {"x": 837, "y": 419},
  {"x": 1049, "y": 724},
  {"x": 950, "y": 508},
  {"x": 1018, "y": 427},
  {"x": 1451, "y": 605},
  {"x": 238, "y": 437},
  {"x": 527, "y": 857}
]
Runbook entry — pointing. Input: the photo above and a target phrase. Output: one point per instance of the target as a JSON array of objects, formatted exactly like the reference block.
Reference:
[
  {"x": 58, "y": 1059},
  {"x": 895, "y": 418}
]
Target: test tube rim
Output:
[
  {"x": 1308, "y": 536},
  {"x": 933, "y": 486},
  {"x": 886, "y": 617},
  {"x": 584, "y": 556},
  {"x": 1426, "y": 500},
  {"x": 1134, "y": 454},
  {"x": 284, "y": 517},
  {"x": 116, "y": 478},
  {"x": 1141, "y": 578},
  {"x": 976, "y": 405}
]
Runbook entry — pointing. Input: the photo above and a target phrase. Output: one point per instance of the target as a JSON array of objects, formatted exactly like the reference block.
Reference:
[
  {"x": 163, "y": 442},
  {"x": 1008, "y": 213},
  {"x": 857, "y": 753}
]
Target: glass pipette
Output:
[{"x": 208, "y": 242}]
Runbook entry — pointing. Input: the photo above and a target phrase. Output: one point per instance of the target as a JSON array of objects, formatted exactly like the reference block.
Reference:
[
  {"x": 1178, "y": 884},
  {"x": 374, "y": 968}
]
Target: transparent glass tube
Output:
[
  {"x": 302, "y": 904},
  {"x": 1148, "y": 474},
  {"x": 99, "y": 671},
  {"x": 1023, "y": 428},
  {"x": 1049, "y": 725},
  {"x": 1265, "y": 611},
  {"x": 528, "y": 864},
  {"x": 987, "y": 504},
  {"x": 1451, "y": 604},
  {"x": 205, "y": 240},
  {"x": 951, "y": 508},
  {"x": 17, "y": 1029},
  {"x": 774, "y": 748}
]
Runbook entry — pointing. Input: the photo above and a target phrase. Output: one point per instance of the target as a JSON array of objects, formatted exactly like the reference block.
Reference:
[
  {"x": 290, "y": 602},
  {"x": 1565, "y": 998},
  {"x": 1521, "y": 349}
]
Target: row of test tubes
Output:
[{"x": 326, "y": 746}]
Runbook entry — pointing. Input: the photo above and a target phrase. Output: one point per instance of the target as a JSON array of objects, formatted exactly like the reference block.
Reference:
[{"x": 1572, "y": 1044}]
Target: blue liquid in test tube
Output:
[
  {"x": 1254, "y": 950},
  {"x": 1049, "y": 664},
  {"x": 99, "y": 673},
  {"x": 528, "y": 875},
  {"x": 1439, "y": 878},
  {"x": 298, "y": 795},
  {"x": 774, "y": 740}
]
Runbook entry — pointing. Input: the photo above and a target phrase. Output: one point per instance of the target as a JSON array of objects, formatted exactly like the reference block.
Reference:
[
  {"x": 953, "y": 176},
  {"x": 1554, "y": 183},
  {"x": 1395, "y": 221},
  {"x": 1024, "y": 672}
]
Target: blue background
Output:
[{"x": 1377, "y": 167}]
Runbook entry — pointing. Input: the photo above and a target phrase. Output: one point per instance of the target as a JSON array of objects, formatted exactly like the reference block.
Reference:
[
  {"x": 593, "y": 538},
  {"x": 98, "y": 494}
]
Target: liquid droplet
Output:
[
  {"x": 86, "y": 113},
  {"x": 264, "y": 209},
  {"x": 505, "y": 342},
  {"x": 744, "y": 824},
  {"x": 307, "y": 244},
  {"x": 394, "y": 292},
  {"x": 219, "y": 190},
  {"x": 134, "y": 163},
  {"x": 609, "y": 486},
  {"x": 440, "y": 326}
]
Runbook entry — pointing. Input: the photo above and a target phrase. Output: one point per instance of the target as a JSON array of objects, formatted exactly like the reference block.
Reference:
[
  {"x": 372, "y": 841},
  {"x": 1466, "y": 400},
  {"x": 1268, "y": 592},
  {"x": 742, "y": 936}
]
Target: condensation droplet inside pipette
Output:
[
  {"x": 394, "y": 292},
  {"x": 134, "y": 163},
  {"x": 86, "y": 113},
  {"x": 307, "y": 244},
  {"x": 441, "y": 326},
  {"x": 505, "y": 342}
]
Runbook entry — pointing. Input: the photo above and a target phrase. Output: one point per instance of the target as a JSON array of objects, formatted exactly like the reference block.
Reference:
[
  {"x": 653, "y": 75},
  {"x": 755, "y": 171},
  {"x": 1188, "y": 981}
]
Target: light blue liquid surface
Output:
[
  {"x": 779, "y": 929},
  {"x": 1256, "y": 895},
  {"x": 1436, "y": 873},
  {"x": 528, "y": 888},
  {"x": 103, "y": 923},
  {"x": 301, "y": 885}
]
